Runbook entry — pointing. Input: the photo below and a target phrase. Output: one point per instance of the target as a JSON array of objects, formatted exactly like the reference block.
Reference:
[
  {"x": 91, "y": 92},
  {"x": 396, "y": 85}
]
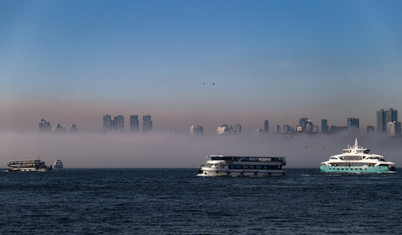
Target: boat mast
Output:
[{"x": 356, "y": 144}]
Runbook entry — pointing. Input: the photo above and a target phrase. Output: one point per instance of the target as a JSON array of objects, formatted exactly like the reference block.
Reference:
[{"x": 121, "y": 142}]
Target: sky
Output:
[
  {"x": 195, "y": 62},
  {"x": 75, "y": 61}
]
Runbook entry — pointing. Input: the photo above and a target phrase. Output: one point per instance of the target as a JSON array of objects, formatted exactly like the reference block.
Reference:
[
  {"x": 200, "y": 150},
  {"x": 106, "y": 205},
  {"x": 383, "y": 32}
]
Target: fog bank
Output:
[{"x": 160, "y": 150}]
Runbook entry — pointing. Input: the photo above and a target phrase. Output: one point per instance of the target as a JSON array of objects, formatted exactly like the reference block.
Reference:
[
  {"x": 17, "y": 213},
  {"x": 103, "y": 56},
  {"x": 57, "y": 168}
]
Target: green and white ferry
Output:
[{"x": 356, "y": 159}]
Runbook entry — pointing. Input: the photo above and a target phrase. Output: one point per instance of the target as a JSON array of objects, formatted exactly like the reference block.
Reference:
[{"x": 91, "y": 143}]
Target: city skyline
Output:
[
  {"x": 203, "y": 62},
  {"x": 387, "y": 119}
]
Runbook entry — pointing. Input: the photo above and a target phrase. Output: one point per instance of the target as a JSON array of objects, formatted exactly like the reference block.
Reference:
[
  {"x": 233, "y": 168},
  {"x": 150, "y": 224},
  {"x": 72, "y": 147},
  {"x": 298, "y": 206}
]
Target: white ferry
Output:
[
  {"x": 28, "y": 166},
  {"x": 357, "y": 159},
  {"x": 58, "y": 164},
  {"x": 220, "y": 165}
]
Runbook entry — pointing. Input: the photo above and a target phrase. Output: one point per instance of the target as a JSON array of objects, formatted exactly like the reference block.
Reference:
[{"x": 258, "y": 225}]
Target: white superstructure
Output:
[
  {"x": 220, "y": 165},
  {"x": 356, "y": 159},
  {"x": 58, "y": 164},
  {"x": 28, "y": 166}
]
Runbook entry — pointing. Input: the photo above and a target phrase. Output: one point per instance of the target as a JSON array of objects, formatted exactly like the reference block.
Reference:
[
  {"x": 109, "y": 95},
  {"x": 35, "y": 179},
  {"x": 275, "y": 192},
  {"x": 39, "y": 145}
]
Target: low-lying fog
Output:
[{"x": 160, "y": 150}]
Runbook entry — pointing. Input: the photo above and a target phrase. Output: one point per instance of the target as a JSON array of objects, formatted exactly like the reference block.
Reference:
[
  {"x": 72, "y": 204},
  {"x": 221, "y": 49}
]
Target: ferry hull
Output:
[
  {"x": 235, "y": 173},
  {"x": 355, "y": 169}
]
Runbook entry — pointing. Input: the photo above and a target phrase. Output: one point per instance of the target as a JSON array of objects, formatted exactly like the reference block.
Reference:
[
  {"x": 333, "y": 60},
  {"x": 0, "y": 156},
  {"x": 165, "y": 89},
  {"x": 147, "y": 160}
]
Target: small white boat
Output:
[{"x": 58, "y": 164}]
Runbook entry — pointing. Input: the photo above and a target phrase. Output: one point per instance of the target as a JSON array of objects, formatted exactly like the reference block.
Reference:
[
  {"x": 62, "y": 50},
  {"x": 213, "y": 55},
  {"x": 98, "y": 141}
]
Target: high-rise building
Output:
[
  {"x": 73, "y": 128},
  {"x": 118, "y": 123},
  {"x": 107, "y": 123},
  {"x": 381, "y": 121},
  {"x": 324, "y": 126},
  {"x": 391, "y": 115},
  {"x": 394, "y": 128},
  {"x": 223, "y": 129},
  {"x": 146, "y": 123},
  {"x": 196, "y": 130},
  {"x": 228, "y": 129},
  {"x": 266, "y": 126},
  {"x": 134, "y": 123},
  {"x": 353, "y": 123},
  {"x": 58, "y": 128},
  {"x": 44, "y": 126},
  {"x": 309, "y": 127},
  {"x": 285, "y": 129},
  {"x": 237, "y": 129},
  {"x": 384, "y": 117},
  {"x": 303, "y": 124}
]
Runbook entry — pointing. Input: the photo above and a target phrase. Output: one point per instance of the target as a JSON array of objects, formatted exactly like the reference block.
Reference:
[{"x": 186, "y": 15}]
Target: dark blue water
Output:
[{"x": 176, "y": 201}]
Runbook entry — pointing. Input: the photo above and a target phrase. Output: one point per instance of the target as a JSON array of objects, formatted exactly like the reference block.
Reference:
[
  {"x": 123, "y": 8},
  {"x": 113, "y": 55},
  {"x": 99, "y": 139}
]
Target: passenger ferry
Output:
[
  {"x": 28, "y": 166},
  {"x": 220, "y": 165},
  {"x": 357, "y": 159}
]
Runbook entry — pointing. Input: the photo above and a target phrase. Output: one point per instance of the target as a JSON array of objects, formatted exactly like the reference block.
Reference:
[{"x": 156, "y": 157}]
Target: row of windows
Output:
[
  {"x": 351, "y": 164},
  {"x": 348, "y": 169},
  {"x": 258, "y": 167},
  {"x": 250, "y": 159}
]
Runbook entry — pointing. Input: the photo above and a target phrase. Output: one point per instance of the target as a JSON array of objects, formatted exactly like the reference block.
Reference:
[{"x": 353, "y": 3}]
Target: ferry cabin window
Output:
[{"x": 254, "y": 167}]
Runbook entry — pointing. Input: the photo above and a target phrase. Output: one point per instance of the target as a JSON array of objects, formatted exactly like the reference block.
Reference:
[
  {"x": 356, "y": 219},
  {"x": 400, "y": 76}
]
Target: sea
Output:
[{"x": 177, "y": 201}]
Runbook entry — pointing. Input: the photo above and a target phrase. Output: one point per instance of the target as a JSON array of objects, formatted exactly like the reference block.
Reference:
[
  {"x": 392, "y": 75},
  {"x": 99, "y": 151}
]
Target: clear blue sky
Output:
[{"x": 74, "y": 61}]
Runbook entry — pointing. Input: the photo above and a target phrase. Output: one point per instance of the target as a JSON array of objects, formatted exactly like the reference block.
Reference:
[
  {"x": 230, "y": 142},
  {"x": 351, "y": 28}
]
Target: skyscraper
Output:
[
  {"x": 44, "y": 126},
  {"x": 73, "y": 128},
  {"x": 134, "y": 123},
  {"x": 116, "y": 124},
  {"x": 324, "y": 126},
  {"x": 394, "y": 128},
  {"x": 391, "y": 115},
  {"x": 266, "y": 126},
  {"x": 58, "y": 128},
  {"x": 146, "y": 123},
  {"x": 384, "y": 117},
  {"x": 303, "y": 124},
  {"x": 196, "y": 130},
  {"x": 107, "y": 123},
  {"x": 237, "y": 129},
  {"x": 119, "y": 123},
  {"x": 353, "y": 123}
]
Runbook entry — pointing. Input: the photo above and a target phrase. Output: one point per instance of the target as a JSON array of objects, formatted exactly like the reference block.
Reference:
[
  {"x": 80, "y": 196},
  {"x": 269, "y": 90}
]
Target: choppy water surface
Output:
[{"x": 176, "y": 201}]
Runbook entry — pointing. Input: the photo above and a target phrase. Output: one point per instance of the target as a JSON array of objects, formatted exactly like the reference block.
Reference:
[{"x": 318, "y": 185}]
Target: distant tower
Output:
[
  {"x": 353, "y": 123},
  {"x": 73, "y": 128},
  {"x": 146, "y": 123},
  {"x": 385, "y": 117},
  {"x": 58, "y": 128},
  {"x": 394, "y": 128},
  {"x": 391, "y": 115},
  {"x": 44, "y": 126},
  {"x": 324, "y": 126},
  {"x": 237, "y": 129},
  {"x": 107, "y": 123},
  {"x": 223, "y": 129},
  {"x": 119, "y": 123},
  {"x": 134, "y": 123},
  {"x": 266, "y": 126},
  {"x": 196, "y": 130},
  {"x": 303, "y": 124}
]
